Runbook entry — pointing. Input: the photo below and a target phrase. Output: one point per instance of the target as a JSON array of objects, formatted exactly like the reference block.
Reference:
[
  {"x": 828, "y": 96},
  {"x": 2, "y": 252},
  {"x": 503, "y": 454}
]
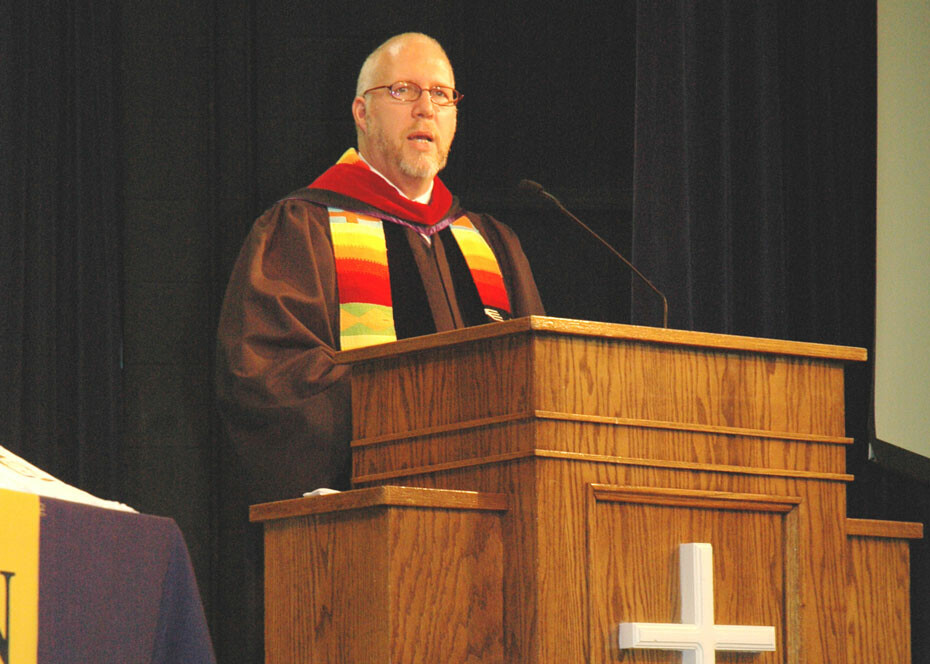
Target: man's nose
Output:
[{"x": 423, "y": 106}]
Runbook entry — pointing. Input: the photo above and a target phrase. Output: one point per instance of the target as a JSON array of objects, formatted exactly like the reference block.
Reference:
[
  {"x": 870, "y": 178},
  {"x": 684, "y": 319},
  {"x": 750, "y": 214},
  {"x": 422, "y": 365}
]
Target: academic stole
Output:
[{"x": 366, "y": 310}]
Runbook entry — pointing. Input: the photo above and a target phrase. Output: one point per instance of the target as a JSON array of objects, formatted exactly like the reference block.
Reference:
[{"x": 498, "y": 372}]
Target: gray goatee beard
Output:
[{"x": 423, "y": 166}]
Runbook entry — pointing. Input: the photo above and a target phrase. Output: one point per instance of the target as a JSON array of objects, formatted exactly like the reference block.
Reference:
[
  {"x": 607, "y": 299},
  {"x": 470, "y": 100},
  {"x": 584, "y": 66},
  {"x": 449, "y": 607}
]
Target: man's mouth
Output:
[{"x": 420, "y": 136}]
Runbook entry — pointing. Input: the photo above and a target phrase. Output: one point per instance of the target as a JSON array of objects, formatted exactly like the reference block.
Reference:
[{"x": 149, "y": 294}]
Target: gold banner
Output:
[{"x": 19, "y": 577}]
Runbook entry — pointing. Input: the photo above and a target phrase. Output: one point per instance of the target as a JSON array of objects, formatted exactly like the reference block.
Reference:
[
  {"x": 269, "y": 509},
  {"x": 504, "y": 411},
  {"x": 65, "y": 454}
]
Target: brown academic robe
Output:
[{"x": 284, "y": 403}]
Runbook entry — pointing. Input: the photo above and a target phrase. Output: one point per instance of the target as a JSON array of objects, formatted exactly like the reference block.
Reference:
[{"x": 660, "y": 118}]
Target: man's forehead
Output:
[{"x": 409, "y": 58}]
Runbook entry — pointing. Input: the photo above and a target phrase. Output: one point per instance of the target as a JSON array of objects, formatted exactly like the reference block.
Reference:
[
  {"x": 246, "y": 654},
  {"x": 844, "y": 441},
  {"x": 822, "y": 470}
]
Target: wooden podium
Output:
[{"x": 523, "y": 488}]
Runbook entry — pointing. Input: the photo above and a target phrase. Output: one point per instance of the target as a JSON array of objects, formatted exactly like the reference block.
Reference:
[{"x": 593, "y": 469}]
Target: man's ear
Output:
[{"x": 360, "y": 114}]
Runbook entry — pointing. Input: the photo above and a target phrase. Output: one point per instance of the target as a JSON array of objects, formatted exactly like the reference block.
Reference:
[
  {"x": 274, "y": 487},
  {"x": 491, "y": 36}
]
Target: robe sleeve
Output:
[{"x": 284, "y": 404}]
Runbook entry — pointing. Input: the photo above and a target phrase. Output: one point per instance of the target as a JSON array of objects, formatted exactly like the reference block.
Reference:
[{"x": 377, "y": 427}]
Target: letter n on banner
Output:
[{"x": 19, "y": 577}]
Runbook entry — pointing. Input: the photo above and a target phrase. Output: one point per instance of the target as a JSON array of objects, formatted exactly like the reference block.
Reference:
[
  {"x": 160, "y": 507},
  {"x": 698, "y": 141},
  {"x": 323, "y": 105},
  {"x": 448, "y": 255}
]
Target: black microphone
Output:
[{"x": 536, "y": 188}]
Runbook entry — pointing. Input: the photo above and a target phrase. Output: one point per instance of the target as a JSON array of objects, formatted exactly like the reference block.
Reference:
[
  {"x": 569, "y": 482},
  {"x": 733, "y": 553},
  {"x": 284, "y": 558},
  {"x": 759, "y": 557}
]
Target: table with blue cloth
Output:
[{"x": 116, "y": 587}]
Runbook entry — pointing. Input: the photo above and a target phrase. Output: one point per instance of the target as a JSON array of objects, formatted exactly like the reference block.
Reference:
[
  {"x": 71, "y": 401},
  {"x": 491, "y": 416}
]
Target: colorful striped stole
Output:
[
  {"x": 366, "y": 310},
  {"x": 483, "y": 267}
]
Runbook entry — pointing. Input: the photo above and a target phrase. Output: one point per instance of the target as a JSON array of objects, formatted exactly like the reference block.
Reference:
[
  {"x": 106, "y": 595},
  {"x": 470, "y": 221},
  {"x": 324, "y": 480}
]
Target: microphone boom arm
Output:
[{"x": 535, "y": 187}]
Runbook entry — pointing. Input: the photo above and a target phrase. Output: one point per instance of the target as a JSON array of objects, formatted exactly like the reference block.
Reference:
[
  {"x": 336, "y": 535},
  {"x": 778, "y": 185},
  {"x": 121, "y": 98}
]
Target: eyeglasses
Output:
[{"x": 441, "y": 95}]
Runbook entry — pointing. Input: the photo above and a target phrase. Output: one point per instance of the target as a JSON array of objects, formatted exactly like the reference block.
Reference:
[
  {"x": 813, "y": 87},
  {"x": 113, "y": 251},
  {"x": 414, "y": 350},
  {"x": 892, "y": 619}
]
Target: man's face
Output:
[{"x": 408, "y": 141}]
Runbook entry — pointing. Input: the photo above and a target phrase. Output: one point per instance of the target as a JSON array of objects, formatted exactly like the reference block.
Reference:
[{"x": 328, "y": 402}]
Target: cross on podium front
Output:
[{"x": 697, "y": 636}]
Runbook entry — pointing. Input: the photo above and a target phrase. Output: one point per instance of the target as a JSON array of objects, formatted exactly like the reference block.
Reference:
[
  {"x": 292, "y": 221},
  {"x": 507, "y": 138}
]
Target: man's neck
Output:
[{"x": 422, "y": 198}]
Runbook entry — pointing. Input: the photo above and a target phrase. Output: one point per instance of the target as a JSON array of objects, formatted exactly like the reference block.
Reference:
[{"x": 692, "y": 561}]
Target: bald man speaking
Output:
[{"x": 375, "y": 249}]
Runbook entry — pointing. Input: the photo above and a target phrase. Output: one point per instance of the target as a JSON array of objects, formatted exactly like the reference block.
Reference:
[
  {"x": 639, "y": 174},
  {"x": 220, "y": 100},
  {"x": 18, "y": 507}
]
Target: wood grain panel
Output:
[
  {"x": 879, "y": 528},
  {"x": 312, "y": 611},
  {"x": 377, "y": 583},
  {"x": 692, "y": 446},
  {"x": 691, "y": 427},
  {"x": 690, "y": 466},
  {"x": 405, "y": 474},
  {"x": 450, "y": 385},
  {"x": 717, "y": 500},
  {"x": 376, "y": 497},
  {"x": 665, "y": 383},
  {"x": 443, "y": 448},
  {"x": 820, "y": 562},
  {"x": 630, "y": 372},
  {"x": 452, "y": 427},
  {"x": 599, "y": 419},
  {"x": 878, "y": 591},
  {"x": 634, "y": 572},
  {"x": 450, "y": 444},
  {"x": 446, "y": 587},
  {"x": 524, "y": 618}
]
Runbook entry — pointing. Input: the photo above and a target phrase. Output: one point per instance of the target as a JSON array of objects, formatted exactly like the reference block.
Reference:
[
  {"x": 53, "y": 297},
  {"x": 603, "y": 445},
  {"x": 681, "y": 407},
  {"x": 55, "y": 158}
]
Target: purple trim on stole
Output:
[{"x": 422, "y": 229}]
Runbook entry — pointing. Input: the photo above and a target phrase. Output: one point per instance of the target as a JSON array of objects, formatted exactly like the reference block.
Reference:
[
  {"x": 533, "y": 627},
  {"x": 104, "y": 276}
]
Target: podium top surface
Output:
[
  {"x": 378, "y": 496},
  {"x": 582, "y": 328}
]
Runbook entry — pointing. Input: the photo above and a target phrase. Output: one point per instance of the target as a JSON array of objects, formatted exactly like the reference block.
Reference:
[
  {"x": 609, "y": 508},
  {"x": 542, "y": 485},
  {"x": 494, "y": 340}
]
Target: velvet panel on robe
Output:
[{"x": 285, "y": 405}]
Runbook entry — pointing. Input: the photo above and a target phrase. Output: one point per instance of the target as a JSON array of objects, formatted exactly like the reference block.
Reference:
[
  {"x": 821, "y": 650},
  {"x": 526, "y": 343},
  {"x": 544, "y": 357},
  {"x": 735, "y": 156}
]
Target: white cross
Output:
[{"x": 697, "y": 637}]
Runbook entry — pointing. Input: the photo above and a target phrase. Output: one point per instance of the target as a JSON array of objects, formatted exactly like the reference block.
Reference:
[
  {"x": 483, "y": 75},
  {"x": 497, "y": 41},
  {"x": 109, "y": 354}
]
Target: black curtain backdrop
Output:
[
  {"x": 754, "y": 166},
  {"x": 60, "y": 275}
]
